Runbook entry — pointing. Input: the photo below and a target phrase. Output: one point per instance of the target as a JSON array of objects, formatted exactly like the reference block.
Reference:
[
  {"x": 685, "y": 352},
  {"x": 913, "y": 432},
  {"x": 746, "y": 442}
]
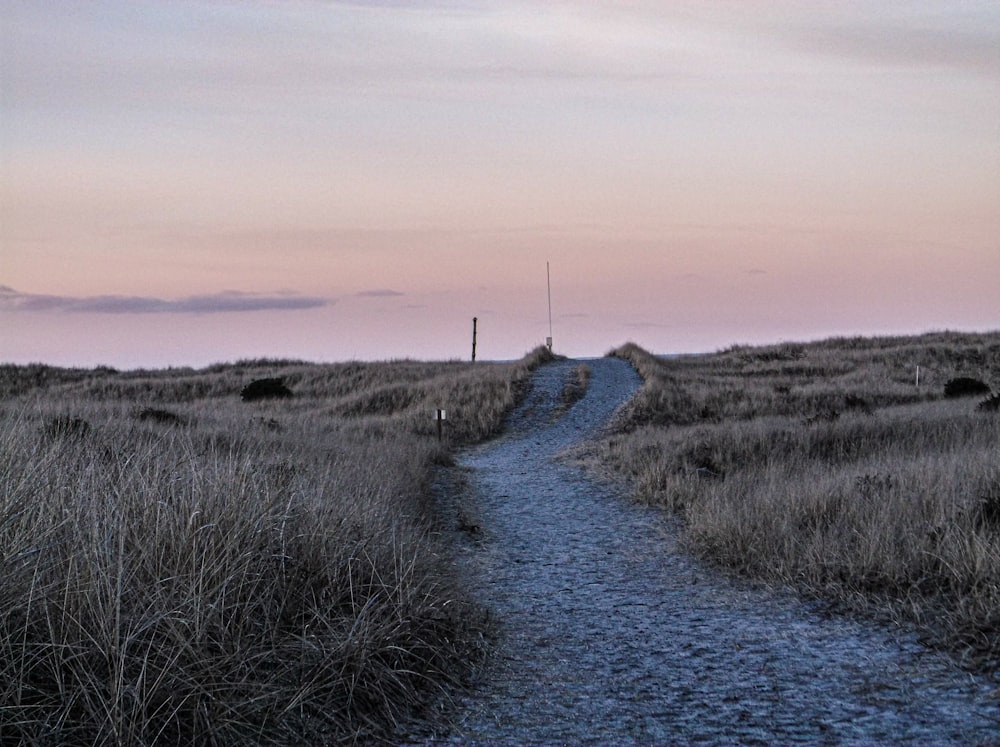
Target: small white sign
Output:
[{"x": 440, "y": 414}]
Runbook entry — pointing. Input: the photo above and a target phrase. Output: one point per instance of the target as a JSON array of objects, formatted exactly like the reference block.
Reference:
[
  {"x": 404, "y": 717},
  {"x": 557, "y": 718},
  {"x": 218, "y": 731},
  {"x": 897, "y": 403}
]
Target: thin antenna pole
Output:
[{"x": 548, "y": 282}]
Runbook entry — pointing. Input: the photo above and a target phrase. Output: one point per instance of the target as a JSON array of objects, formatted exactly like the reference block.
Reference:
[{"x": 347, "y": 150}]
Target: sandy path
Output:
[{"x": 612, "y": 635}]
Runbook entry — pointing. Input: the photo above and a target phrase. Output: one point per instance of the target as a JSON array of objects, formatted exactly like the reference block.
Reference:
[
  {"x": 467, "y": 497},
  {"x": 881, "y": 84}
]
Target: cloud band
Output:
[{"x": 215, "y": 303}]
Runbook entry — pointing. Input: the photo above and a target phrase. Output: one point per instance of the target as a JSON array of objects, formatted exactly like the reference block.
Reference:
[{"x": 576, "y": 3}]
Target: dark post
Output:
[
  {"x": 474, "y": 320},
  {"x": 548, "y": 283}
]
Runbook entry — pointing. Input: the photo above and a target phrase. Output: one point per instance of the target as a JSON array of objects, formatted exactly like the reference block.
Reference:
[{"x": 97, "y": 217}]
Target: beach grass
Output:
[
  {"x": 830, "y": 467},
  {"x": 183, "y": 567}
]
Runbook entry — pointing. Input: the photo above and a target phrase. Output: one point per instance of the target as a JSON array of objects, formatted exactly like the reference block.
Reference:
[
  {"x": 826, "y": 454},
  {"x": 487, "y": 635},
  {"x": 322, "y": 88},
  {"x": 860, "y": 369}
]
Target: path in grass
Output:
[{"x": 611, "y": 634}]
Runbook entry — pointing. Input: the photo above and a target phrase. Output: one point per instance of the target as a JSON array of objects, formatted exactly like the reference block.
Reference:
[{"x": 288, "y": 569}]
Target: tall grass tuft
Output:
[
  {"x": 828, "y": 466},
  {"x": 223, "y": 572},
  {"x": 575, "y": 387}
]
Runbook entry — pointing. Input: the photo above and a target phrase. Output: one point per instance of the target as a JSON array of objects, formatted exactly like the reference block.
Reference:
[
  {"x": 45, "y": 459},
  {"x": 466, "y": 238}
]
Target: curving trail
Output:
[{"x": 612, "y": 635}]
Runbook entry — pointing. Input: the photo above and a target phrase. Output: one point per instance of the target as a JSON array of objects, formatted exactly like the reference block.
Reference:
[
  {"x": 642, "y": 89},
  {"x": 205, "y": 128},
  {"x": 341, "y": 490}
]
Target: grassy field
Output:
[
  {"x": 826, "y": 466},
  {"x": 180, "y": 566}
]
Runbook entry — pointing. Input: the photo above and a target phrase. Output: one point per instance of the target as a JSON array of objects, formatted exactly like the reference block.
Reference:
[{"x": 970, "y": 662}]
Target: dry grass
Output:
[
  {"x": 575, "y": 387},
  {"x": 181, "y": 567},
  {"x": 825, "y": 466}
]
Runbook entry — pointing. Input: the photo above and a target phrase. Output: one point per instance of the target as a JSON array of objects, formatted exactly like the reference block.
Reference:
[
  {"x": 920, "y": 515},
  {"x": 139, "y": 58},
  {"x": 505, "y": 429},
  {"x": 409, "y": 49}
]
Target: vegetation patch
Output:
[
  {"x": 575, "y": 387},
  {"x": 273, "y": 388},
  {"x": 238, "y": 581},
  {"x": 965, "y": 386},
  {"x": 66, "y": 427},
  {"x": 160, "y": 416},
  {"x": 990, "y": 404},
  {"x": 833, "y": 469},
  {"x": 988, "y": 511}
]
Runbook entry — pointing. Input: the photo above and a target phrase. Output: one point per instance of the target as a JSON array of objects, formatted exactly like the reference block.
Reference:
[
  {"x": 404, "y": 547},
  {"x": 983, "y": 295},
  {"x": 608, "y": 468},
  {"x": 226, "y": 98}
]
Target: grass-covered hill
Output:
[
  {"x": 181, "y": 566},
  {"x": 829, "y": 467}
]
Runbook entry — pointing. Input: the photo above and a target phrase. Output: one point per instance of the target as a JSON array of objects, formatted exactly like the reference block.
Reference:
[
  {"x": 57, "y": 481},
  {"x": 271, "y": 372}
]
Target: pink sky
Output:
[{"x": 187, "y": 182}]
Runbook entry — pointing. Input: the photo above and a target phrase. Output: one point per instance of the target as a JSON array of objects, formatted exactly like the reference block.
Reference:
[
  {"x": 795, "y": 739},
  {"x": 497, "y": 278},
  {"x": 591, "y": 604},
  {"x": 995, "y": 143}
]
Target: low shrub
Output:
[
  {"x": 265, "y": 389},
  {"x": 66, "y": 427},
  {"x": 990, "y": 404},
  {"x": 575, "y": 387},
  {"x": 965, "y": 386},
  {"x": 163, "y": 417},
  {"x": 987, "y": 515},
  {"x": 855, "y": 402}
]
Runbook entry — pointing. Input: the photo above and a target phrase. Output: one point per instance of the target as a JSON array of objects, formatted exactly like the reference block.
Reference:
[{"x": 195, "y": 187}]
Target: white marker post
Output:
[{"x": 440, "y": 416}]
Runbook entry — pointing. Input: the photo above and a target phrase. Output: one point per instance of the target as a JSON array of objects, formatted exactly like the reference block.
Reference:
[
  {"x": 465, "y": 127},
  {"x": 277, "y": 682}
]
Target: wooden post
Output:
[
  {"x": 918, "y": 377},
  {"x": 440, "y": 416},
  {"x": 474, "y": 320},
  {"x": 548, "y": 284}
]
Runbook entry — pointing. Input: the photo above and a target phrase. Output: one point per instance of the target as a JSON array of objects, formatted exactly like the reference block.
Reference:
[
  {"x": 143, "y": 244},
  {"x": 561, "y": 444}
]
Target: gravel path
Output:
[{"x": 610, "y": 634}]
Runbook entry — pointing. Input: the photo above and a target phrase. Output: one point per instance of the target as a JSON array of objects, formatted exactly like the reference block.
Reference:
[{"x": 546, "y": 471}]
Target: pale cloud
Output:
[
  {"x": 224, "y": 302},
  {"x": 648, "y": 325},
  {"x": 921, "y": 42},
  {"x": 380, "y": 293},
  {"x": 153, "y": 58}
]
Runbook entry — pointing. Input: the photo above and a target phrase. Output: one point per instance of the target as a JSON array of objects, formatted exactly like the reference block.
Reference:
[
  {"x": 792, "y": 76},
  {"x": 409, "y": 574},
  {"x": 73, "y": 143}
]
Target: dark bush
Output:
[
  {"x": 786, "y": 352},
  {"x": 268, "y": 423},
  {"x": 67, "y": 427},
  {"x": 965, "y": 386},
  {"x": 987, "y": 514},
  {"x": 265, "y": 389},
  {"x": 164, "y": 417},
  {"x": 825, "y": 414},
  {"x": 990, "y": 404},
  {"x": 854, "y": 402},
  {"x": 700, "y": 459}
]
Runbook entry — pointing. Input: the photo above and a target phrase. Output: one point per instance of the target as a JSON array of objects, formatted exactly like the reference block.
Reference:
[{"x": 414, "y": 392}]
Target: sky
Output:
[{"x": 184, "y": 183}]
